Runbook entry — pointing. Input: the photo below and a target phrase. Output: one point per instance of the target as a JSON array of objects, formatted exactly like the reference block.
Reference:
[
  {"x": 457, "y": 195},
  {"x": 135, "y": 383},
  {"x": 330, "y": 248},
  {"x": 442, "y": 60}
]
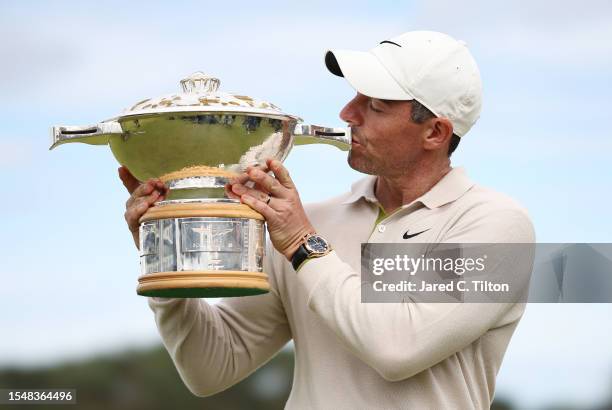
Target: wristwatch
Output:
[{"x": 313, "y": 246}]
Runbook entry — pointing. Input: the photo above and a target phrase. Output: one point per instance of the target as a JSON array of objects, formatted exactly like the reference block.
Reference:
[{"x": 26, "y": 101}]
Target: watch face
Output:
[{"x": 316, "y": 244}]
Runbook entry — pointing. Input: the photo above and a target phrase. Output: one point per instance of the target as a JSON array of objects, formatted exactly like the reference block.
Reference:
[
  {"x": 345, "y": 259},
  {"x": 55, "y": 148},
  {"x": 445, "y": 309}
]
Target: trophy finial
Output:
[{"x": 199, "y": 82}]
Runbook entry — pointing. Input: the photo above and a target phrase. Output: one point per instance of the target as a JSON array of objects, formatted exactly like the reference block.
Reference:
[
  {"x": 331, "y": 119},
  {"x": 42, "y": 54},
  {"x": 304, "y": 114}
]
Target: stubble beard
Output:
[
  {"x": 361, "y": 164},
  {"x": 358, "y": 160}
]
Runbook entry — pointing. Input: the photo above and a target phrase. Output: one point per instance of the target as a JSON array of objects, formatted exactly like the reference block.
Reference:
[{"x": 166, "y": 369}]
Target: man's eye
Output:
[{"x": 374, "y": 108}]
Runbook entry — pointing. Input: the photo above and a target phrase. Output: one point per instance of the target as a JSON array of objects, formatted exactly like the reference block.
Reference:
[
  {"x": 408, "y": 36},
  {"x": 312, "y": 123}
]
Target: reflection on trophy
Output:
[{"x": 197, "y": 242}]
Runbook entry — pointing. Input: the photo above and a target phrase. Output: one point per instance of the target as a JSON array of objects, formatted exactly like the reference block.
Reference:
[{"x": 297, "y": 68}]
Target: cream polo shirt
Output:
[{"x": 353, "y": 355}]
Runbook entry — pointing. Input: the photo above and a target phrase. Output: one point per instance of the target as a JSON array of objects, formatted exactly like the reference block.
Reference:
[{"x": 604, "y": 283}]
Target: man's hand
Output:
[
  {"x": 142, "y": 197},
  {"x": 284, "y": 213}
]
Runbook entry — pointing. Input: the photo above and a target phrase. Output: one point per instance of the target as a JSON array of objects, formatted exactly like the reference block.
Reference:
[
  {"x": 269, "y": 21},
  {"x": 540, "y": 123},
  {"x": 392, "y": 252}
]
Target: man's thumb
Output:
[{"x": 129, "y": 181}]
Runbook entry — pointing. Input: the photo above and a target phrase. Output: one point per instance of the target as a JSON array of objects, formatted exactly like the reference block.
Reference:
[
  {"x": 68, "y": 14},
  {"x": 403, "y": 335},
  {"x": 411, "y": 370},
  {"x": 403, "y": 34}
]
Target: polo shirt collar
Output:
[
  {"x": 362, "y": 188},
  {"x": 452, "y": 186}
]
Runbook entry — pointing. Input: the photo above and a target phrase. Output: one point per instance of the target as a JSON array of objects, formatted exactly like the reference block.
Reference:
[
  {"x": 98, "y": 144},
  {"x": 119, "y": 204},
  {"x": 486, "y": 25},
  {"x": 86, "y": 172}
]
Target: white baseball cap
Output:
[{"x": 432, "y": 68}]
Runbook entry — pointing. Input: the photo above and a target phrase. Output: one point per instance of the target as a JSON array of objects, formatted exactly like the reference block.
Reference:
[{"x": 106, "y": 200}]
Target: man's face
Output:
[{"x": 385, "y": 141}]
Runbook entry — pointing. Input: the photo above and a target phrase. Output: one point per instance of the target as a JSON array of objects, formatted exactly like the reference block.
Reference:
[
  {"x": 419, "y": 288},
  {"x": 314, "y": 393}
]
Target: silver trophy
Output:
[{"x": 197, "y": 242}]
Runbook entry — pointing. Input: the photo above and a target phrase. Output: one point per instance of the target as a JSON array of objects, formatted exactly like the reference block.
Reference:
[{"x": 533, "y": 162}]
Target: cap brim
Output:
[{"x": 365, "y": 74}]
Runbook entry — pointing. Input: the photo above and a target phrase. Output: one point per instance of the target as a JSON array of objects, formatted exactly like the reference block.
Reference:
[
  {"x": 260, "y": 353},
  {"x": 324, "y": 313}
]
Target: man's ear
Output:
[{"x": 439, "y": 134}]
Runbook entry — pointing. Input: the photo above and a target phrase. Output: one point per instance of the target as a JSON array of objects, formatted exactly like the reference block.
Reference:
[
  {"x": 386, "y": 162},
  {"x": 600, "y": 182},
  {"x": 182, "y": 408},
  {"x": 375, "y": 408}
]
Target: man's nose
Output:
[{"x": 351, "y": 112}]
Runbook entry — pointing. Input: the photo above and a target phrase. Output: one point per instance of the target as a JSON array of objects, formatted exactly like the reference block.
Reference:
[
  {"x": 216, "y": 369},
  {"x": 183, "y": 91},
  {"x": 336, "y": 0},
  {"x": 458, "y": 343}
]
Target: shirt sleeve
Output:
[
  {"x": 399, "y": 340},
  {"x": 214, "y": 346}
]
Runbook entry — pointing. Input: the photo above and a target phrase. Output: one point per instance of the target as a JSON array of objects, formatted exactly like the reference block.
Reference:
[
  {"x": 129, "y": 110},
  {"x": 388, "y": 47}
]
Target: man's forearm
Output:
[
  {"x": 194, "y": 335},
  {"x": 215, "y": 346},
  {"x": 398, "y": 340}
]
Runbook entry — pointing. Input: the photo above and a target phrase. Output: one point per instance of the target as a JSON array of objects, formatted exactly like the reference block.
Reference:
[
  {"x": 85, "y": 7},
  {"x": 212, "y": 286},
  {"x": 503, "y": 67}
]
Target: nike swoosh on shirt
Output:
[{"x": 412, "y": 235}]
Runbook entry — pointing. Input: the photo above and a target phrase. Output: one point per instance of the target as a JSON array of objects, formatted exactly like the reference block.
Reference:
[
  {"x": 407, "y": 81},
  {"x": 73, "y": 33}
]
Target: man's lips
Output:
[{"x": 354, "y": 140}]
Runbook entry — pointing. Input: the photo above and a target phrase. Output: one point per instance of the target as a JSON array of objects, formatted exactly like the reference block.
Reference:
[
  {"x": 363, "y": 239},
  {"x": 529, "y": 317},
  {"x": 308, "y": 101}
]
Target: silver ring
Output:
[{"x": 269, "y": 199}]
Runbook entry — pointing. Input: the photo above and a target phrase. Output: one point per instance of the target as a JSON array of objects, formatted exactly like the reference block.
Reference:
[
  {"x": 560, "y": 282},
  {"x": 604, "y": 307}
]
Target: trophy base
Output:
[
  {"x": 203, "y": 284},
  {"x": 202, "y": 249}
]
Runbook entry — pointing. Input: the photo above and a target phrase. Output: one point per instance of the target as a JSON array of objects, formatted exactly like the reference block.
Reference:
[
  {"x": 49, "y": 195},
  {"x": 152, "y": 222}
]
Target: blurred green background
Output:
[{"x": 146, "y": 379}]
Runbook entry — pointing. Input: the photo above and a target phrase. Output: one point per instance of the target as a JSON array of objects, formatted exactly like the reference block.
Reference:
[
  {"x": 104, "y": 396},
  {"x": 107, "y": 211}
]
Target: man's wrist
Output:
[
  {"x": 312, "y": 246},
  {"x": 289, "y": 254},
  {"x": 291, "y": 250}
]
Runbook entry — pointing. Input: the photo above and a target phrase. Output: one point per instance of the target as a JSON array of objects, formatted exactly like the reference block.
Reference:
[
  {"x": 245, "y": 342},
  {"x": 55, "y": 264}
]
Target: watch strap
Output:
[{"x": 299, "y": 257}]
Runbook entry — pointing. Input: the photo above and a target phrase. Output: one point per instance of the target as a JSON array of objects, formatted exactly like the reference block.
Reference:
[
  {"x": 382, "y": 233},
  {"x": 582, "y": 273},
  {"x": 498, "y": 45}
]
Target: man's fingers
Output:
[
  {"x": 144, "y": 202},
  {"x": 240, "y": 190},
  {"x": 134, "y": 212},
  {"x": 259, "y": 206},
  {"x": 256, "y": 183},
  {"x": 129, "y": 181},
  {"x": 142, "y": 197},
  {"x": 143, "y": 190},
  {"x": 240, "y": 179},
  {"x": 281, "y": 173},
  {"x": 152, "y": 197},
  {"x": 244, "y": 177},
  {"x": 136, "y": 188},
  {"x": 138, "y": 207},
  {"x": 230, "y": 194},
  {"x": 268, "y": 183}
]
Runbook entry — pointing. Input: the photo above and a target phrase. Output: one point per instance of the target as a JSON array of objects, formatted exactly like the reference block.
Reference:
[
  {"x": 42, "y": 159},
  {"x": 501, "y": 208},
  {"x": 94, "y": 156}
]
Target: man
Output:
[{"x": 417, "y": 95}]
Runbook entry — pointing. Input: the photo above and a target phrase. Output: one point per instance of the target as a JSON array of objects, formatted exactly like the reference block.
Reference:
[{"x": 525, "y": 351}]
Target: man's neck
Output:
[{"x": 394, "y": 191}]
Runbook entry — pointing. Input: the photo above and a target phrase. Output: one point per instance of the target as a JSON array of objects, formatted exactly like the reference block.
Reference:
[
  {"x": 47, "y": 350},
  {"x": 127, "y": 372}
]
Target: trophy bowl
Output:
[{"x": 197, "y": 242}]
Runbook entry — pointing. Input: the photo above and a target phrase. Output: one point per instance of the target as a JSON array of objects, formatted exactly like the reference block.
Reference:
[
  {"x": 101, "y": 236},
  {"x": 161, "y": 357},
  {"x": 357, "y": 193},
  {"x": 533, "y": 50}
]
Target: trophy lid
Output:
[{"x": 200, "y": 94}]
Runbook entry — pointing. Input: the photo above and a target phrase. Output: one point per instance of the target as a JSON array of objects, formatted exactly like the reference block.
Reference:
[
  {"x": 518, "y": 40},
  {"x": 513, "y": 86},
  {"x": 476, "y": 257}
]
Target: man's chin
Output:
[{"x": 358, "y": 165}]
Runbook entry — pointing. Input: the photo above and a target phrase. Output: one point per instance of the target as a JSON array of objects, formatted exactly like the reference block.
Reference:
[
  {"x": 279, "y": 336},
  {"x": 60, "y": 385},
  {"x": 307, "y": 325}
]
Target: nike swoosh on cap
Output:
[
  {"x": 412, "y": 235},
  {"x": 389, "y": 42}
]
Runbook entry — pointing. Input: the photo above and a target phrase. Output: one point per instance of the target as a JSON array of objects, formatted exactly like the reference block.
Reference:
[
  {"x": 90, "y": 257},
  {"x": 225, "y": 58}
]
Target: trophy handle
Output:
[
  {"x": 93, "y": 134},
  {"x": 314, "y": 134}
]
